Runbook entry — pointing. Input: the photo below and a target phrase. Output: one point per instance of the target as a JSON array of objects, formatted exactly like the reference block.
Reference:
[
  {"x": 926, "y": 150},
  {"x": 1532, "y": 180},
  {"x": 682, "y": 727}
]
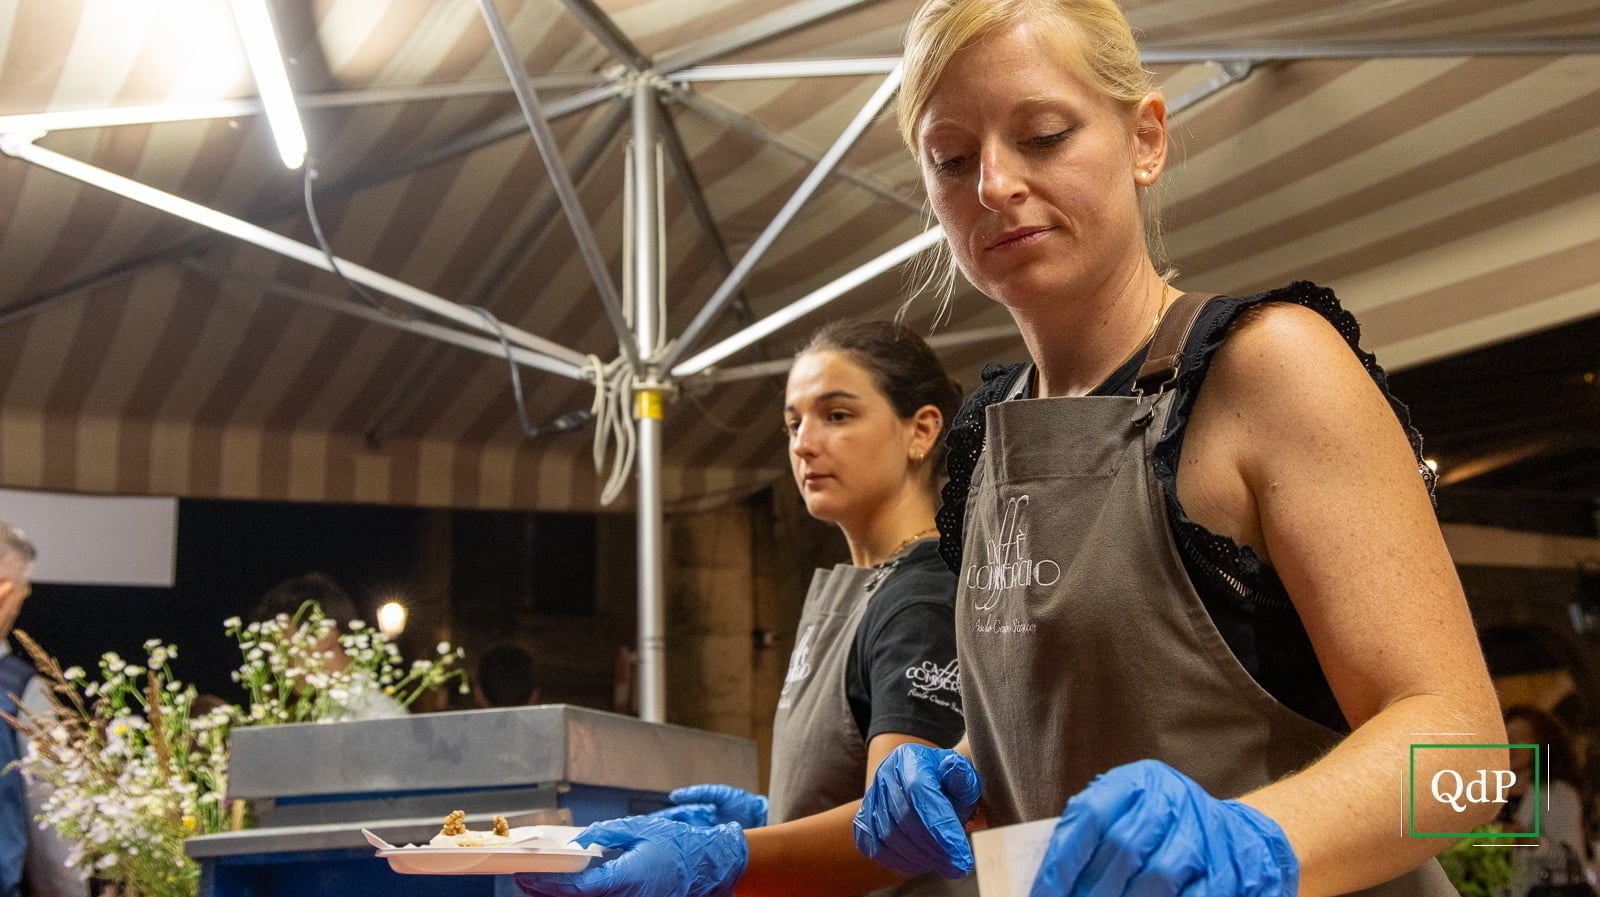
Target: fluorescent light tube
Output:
[
  {"x": 809, "y": 303},
  {"x": 272, "y": 79},
  {"x": 565, "y": 361}
]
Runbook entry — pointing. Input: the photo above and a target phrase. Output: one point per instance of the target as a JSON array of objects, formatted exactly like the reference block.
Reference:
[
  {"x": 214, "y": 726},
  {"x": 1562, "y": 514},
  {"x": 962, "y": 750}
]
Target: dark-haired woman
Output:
[
  {"x": 1558, "y": 853},
  {"x": 874, "y": 662}
]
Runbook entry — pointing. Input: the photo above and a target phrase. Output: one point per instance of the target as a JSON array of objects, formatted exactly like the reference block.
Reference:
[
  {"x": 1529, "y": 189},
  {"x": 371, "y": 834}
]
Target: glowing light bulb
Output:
[{"x": 392, "y": 619}]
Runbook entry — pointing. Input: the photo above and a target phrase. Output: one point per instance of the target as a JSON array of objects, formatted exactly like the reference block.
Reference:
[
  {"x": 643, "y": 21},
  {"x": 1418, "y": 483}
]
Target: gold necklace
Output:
[
  {"x": 930, "y": 531},
  {"x": 1155, "y": 323},
  {"x": 882, "y": 569}
]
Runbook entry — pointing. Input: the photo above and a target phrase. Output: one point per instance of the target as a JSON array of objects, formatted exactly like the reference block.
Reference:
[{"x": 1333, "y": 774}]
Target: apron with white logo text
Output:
[
  {"x": 819, "y": 759},
  {"x": 1082, "y": 642}
]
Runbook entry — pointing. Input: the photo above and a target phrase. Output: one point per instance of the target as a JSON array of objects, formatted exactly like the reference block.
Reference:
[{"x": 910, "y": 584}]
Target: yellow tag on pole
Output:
[{"x": 647, "y": 404}]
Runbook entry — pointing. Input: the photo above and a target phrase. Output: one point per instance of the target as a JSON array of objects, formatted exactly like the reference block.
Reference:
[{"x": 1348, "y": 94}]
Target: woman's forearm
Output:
[
  {"x": 1348, "y": 816},
  {"x": 811, "y": 857}
]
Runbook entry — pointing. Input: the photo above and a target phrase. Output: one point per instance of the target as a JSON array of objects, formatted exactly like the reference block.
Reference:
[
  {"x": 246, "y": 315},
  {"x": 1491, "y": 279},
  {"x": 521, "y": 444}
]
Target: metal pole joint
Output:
[
  {"x": 1238, "y": 69},
  {"x": 675, "y": 91},
  {"x": 651, "y": 394},
  {"x": 627, "y": 81}
]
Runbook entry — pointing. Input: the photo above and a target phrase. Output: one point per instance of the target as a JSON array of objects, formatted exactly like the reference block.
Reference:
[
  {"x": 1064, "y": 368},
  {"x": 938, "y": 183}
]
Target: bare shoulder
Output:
[
  {"x": 1267, "y": 401},
  {"x": 1280, "y": 338},
  {"x": 1287, "y": 362}
]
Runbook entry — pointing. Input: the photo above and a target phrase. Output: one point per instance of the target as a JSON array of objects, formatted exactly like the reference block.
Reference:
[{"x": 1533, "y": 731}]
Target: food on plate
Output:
[{"x": 456, "y": 834}]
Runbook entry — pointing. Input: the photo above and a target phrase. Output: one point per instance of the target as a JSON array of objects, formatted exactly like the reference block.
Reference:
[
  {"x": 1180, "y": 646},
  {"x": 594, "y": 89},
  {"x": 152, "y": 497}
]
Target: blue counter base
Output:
[{"x": 347, "y": 872}]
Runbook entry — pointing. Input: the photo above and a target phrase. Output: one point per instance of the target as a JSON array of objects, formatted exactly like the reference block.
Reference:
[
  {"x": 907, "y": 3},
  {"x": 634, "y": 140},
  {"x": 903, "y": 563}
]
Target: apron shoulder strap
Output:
[{"x": 1161, "y": 365}]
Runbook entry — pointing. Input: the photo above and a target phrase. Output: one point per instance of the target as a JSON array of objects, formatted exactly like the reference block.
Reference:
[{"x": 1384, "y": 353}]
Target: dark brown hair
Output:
[
  {"x": 1560, "y": 760},
  {"x": 506, "y": 675},
  {"x": 286, "y": 598},
  {"x": 905, "y": 370}
]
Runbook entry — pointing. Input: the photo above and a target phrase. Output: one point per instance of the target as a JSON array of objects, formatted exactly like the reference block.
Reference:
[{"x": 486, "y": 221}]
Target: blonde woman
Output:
[{"x": 1202, "y": 626}]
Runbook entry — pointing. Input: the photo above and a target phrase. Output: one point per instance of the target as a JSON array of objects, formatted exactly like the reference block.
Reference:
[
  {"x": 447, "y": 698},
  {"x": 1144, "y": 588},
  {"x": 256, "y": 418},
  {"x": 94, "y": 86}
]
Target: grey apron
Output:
[
  {"x": 1083, "y": 644},
  {"x": 819, "y": 759}
]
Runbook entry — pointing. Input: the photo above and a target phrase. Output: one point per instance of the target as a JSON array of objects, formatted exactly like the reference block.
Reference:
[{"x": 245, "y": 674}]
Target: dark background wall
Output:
[
  {"x": 228, "y": 554},
  {"x": 489, "y": 577},
  {"x": 561, "y": 586}
]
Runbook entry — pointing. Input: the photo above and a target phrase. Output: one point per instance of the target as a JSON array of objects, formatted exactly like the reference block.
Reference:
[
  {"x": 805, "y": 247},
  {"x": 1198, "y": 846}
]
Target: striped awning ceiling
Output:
[{"x": 1452, "y": 200}]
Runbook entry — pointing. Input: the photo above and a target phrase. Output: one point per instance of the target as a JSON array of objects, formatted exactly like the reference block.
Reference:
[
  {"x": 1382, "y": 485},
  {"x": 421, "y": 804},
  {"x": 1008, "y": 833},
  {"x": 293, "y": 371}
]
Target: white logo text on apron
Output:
[
  {"x": 1006, "y": 562},
  {"x": 799, "y": 666}
]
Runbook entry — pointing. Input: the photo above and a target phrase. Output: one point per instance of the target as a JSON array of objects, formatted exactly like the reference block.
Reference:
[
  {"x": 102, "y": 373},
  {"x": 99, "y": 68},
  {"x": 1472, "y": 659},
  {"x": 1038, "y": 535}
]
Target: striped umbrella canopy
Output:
[{"x": 1437, "y": 162}]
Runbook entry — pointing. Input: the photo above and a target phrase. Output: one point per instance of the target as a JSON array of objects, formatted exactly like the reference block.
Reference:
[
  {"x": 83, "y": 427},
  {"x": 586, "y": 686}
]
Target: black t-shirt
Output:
[
  {"x": 901, "y": 675},
  {"x": 1241, "y": 593}
]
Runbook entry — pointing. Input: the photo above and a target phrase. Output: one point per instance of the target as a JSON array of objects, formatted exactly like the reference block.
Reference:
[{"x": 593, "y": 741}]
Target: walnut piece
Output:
[
  {"x": 455, "y": 823},
  {"x": 501, "y": 827}
]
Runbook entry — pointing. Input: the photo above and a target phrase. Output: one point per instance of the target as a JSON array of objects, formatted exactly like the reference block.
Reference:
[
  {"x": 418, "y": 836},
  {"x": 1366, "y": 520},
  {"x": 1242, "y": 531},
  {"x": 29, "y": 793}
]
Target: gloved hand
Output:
[
  {"x": 660, "y": 858},
  {"x": 912, "y": 816},
  {"x": 1146, "y": 829},
  {"x": 705, "y": 805}
]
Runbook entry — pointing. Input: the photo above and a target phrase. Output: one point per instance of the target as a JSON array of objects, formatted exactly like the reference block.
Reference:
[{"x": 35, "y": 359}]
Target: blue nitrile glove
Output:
[
  {"x": 912, "y": 816},
  {"x": 1146, "y": 829},
  {"x": 705, "y": 805},
  {"x": 660, "y": 858}
]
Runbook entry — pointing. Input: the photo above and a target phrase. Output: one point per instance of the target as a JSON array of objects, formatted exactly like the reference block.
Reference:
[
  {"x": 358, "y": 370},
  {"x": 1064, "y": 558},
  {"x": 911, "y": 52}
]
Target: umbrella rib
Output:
[
  {"x": 192, "y": 246},
  {"x": 679, "y": 156},
  {"x": 117, "y": 116},
  {"x": 605, "y": 30},
  {"x": 561, "y": 359},
  {"x": 408, "y": 388},
  {"x": 791, "y": 208},
  {"x": 871, "y": 183},
  {"x": 810, "y": 302},
  {"x": 950, "y": 340},
  {"x": 571, "y": 203},
  {"x": 777, "y": 23},
  {"x": 440, "y": 334}
]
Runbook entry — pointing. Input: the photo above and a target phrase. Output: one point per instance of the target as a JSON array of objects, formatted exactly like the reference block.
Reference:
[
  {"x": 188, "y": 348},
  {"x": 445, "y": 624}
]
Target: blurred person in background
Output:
[
  {"x": 32, "y": 860},
  {"x": 505, "y": 678},
  {"x": 286, "y": 598},
  {"x": 1560, "y": 852}
]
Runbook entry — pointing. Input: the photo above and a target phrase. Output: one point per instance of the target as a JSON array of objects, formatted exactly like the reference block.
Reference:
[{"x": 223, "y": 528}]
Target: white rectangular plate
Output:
[
  {"x": 536, "y": 852},
  {"x": 484, "y": 860}
]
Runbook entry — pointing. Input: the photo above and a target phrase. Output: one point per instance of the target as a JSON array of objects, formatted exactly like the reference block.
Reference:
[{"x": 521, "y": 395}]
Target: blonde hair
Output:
[
  {"x": 1093, "y": 35},
  {"x": 1094, "y": 39}
]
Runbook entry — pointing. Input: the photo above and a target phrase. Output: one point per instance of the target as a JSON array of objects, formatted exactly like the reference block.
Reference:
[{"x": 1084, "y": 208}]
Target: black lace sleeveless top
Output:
[{"x": 1243, "y": 595}]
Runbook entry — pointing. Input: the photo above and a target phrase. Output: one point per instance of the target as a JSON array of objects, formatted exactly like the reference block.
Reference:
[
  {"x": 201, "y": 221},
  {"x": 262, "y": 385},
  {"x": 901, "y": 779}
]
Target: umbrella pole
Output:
[{"x": 649, "y": 402}]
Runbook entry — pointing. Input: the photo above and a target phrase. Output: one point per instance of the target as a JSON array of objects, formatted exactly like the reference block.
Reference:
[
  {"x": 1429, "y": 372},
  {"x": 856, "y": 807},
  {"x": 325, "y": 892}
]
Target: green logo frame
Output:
[{"x": 1538, "y": 784}]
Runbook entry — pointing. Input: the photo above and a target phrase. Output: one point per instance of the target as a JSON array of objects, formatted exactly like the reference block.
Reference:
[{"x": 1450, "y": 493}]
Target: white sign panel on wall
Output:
[{"x": 97, "y": 539}]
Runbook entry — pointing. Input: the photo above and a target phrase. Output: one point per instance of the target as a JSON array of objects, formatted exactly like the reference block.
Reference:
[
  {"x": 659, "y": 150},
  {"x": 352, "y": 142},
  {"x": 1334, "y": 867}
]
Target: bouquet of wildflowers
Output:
[
  {"x": 1479, "y": 871},
  {"x": 303, "y": 669},
  {"x": 133, "y": 769}
]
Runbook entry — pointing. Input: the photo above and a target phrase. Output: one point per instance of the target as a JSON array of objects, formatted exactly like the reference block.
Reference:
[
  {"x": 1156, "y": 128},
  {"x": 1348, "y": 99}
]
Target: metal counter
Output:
[{"x": 313, "y": 787}]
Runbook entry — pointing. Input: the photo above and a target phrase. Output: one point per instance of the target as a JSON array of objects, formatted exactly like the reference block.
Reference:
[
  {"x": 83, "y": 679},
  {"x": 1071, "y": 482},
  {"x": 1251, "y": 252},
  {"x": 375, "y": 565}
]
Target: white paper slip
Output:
[{"x": 1008, "y": 857}]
